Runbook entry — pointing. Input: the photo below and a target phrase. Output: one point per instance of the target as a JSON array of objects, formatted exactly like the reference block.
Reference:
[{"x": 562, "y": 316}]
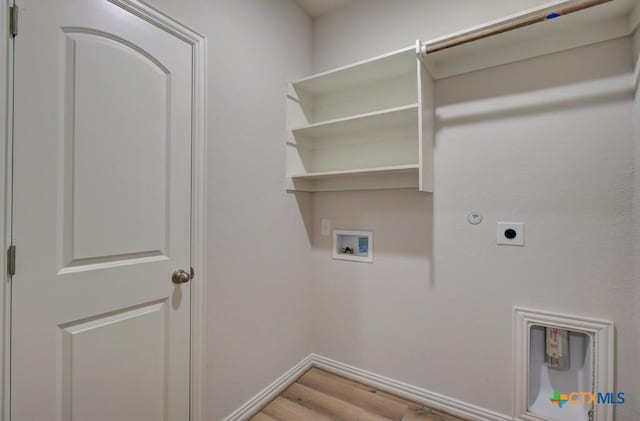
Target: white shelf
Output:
[
  {"x": 393, "y": 177},
  {"x": 354, "y": 91},
  {"x": 375, "y": 120},
  {"x": 412, "y": 168},
  {"x": 597, "y": 24},
  {"x": 365, "y": 72},
  {"x": 361, "y": 127}
]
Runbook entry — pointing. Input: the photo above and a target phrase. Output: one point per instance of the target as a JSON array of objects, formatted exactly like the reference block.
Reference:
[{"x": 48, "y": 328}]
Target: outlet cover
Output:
[
  {"x": 510, "y": 233},
  {"x": 325, "y": 227}
]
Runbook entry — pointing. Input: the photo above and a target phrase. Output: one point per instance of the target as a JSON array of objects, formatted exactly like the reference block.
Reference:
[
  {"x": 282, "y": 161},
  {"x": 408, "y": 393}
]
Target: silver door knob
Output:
[{"x": 180, "y": 277}]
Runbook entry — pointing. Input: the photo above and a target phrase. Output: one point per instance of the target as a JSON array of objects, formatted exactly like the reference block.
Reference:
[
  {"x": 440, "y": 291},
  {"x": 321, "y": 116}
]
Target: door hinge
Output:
[
  {"x": 13, "y": 21},
  {"x": 11, "y": 260}
]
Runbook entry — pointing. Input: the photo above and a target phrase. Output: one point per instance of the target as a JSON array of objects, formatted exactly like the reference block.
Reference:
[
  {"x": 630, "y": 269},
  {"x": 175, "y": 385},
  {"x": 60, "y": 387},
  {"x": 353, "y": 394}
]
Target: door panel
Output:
[
  {"x": 118, "y": 150},
  {"x": 101, "y": 216},
  {"x": 93, "y": 349}
]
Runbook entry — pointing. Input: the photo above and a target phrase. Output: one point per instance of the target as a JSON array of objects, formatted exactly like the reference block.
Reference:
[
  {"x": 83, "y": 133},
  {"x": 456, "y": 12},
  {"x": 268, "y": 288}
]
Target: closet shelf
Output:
[
  {"x": 363, "y": 72},
  {"x": 391, "y": 117},
  {"x": 603, "y": 22},
  {"x": 372, "y": 120},
  {"x": 360, "y": 171}
]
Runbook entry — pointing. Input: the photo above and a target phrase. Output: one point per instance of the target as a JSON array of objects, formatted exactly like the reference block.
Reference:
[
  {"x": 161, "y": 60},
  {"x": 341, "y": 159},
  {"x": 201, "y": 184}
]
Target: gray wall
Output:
[
  {"x": 258, "y": 286},
  {"x": 546, "y": 141}
]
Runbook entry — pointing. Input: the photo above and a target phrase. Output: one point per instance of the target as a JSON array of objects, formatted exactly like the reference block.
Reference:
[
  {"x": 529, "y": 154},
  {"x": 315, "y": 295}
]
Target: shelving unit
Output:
[
  {"x": 615, "y": 19},
  {"x": 360, "y": 127},
  {"x": 370, "y": 125}
]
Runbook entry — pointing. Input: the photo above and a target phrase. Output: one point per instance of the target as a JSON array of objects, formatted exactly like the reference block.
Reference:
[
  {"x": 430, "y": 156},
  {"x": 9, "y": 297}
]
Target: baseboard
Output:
[
  {"x": 407, "y": 391},
  {"x": 253, "y": 405}
]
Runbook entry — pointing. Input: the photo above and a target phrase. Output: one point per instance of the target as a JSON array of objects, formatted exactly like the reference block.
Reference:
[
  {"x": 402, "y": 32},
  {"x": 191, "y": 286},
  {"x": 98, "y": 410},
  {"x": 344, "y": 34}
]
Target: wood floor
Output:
[{"x": 321, "y": 396}]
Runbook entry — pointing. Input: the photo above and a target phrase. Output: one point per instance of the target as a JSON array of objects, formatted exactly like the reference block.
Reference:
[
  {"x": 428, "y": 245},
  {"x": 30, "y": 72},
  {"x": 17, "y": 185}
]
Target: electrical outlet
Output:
[
  {"x": 325, "y": 227},
  {"x": 511, "y": 233}
]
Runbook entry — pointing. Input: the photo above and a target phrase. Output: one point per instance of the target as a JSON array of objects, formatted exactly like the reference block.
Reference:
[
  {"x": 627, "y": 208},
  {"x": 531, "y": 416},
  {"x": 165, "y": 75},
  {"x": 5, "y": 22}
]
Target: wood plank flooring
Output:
[{"x": 322, "y": 396}]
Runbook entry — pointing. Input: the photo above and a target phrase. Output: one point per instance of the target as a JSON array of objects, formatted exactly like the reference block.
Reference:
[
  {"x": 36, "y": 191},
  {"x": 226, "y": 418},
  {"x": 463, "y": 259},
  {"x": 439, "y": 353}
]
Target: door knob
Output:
[{"x": 180, "y": 277}]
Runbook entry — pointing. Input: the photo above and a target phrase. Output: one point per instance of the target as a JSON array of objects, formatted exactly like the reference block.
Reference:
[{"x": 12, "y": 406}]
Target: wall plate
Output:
[
  {"x": 325, "y": 227},
  {"x": 510, "y": 233}
]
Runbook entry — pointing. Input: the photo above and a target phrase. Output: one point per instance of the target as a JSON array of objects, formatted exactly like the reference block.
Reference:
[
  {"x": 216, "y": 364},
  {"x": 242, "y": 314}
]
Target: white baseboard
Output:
[
  {"x": 253, "y": 405},
  {"x": 386, "y": 384},
  {"x": 407, "y": 391}
]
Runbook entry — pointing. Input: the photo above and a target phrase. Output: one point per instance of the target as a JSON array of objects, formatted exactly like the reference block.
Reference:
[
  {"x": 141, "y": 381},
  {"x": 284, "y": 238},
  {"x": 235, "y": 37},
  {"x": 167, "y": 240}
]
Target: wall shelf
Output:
[
  {"x": 370, "y": 125},
  {"x": 362, "y": 171},
  {"x": 603, "y": 22},
  {"x": 396, "y": 177},
  {"x": 384, "y": 67},
  {"x": 360, "y": 127},
  {"x": 392, "y": 117}
]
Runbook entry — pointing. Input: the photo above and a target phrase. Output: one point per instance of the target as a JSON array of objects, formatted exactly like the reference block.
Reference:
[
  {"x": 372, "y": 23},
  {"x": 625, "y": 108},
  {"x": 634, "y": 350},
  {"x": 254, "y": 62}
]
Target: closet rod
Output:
[{"x": 511, "y": 24}]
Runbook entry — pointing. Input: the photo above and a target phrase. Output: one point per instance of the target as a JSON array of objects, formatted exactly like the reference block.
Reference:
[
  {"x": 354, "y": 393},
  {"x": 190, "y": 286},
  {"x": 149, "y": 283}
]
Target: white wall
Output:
[
  {"x": 546, "y": 141},
  {"x": 258, "y": 286},
  {"x": 375, "y": 27}
]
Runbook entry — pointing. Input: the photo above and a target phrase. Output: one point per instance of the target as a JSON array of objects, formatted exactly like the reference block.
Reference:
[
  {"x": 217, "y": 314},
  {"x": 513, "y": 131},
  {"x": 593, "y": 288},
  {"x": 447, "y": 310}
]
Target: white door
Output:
[{"x": 101, "y": 216}]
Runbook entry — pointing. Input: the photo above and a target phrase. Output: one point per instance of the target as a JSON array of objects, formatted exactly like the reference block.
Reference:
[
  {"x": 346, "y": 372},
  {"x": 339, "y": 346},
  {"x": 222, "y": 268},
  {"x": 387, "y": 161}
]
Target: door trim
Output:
[
  {"x": 198, "y": 197},
  {"x": 6, "y": 89}
]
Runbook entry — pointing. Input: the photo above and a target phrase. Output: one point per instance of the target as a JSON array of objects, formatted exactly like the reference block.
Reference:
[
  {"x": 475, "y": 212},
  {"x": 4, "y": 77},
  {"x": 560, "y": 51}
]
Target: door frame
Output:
[
  {"x": 198, "y": 196},
  {"x": 6, "y": 91}
]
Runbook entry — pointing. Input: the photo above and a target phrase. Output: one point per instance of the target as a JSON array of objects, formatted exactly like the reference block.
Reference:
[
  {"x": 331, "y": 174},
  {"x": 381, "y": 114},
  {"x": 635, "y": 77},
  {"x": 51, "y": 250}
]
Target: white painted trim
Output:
[
  {"x": 407, "y": 391},
  {"x": 199, "y": 235},
  {"x": 6, "y": 93},
  {"x": 266, "y": 395},
  {"x": 602, "y": 332},
  {"x": 198, "y": 192}
]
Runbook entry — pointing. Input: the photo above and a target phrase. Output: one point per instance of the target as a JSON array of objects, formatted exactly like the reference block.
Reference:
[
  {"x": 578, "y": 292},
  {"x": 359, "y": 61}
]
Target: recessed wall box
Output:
[{"x": 353, "y": 245}]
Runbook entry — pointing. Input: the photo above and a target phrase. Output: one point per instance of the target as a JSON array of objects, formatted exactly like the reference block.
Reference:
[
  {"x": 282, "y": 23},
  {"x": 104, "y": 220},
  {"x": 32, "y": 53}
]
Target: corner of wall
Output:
[
  {"x": 634, "y": 23},
  {"x": 636, "y": 221}
]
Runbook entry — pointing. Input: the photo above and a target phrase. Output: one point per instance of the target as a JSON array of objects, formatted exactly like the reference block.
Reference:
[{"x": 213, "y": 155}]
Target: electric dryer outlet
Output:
[{"x": 510, "y": 233}]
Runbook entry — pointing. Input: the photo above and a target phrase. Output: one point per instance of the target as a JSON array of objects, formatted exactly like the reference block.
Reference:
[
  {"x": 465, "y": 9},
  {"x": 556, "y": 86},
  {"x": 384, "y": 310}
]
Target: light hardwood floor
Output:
[{"x": 322, "y": 396}]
